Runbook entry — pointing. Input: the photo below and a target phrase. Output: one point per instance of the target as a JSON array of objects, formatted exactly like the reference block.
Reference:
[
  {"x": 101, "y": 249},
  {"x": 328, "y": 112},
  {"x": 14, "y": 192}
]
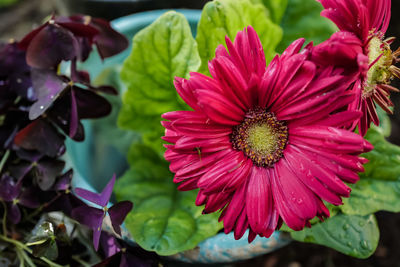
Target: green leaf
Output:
[
  {"x": 160, "y": 52},
  {"x": 164, "y": 220},
  {"x": 379, "y": 187},
  {"x": 5, "y": 3},
  {"x": 384, "y": 159},
  {"x": 370, "y": 195},
  {"x": 302, "y": 20},
  {"x": 353, "y": 235},
  {"x": 276, "y": 9},
  {"x": 222, "y": 18}
]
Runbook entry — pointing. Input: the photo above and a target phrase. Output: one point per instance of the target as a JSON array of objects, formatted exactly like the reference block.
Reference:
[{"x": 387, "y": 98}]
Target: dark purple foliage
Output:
[
  {"x": 14, "y": 76},
  {"x": 93, "y": 217},
  {"x": 13, "y": 194},
  {"x": 42, "y": 136},
  {"x": 39, "y": 107}
]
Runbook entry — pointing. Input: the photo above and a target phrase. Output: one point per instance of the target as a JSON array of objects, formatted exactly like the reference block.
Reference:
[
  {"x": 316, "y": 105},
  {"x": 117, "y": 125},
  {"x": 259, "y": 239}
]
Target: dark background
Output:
[{"x": 17, "y": 20}]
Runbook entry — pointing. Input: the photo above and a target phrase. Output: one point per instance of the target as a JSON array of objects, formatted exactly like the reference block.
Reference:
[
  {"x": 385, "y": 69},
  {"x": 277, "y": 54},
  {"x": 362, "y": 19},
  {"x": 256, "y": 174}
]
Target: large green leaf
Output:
[
  {"x": 302, "y": 20},
  {"x": 275, "y": 8},
  {"x": 164, "y": 220},
  {"x": 222, "y": 18},
  {"x": 384, "y": 159},
  {"x": 353, "y": 235},
  {"x": 379, "y": 187},
  {"x": 160, "y": 52}
]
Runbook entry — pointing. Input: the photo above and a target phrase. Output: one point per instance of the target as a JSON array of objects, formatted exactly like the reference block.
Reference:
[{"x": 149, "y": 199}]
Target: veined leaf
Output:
[
  {"x": 160, "y": 52},
  {"x": 222, "y": 18},
  {"x": 379, "y": 187},
  {"x": 164, "y": 220},
  {"x": 353, "y": 235}
]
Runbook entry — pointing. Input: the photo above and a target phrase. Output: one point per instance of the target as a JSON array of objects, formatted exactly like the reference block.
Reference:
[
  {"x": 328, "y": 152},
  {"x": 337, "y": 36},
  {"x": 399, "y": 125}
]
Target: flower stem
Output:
[
  {"x": 4, "y": 159},
  {"x": 23, "y": 247},
  {"x": 4, "y": 222}
]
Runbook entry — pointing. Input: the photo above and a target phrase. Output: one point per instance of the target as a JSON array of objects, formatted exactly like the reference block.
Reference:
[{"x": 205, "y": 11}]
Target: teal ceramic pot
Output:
[{"x": 96, "y": 160}]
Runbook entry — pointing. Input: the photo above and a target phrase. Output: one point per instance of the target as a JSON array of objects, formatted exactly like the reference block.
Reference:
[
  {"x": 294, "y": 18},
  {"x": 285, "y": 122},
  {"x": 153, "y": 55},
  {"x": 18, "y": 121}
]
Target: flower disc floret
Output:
[{"x": 261, "y": 137}]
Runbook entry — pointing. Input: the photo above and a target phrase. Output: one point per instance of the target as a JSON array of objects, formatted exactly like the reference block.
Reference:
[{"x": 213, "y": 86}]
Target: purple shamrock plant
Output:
[
  {"x": 40, "y": 107},
  {"x": 93, "y": 217}
]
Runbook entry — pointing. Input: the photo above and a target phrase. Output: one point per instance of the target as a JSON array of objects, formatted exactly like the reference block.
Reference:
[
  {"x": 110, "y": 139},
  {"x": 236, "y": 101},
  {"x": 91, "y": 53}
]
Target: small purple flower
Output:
[{"x": 93, "y": 217}]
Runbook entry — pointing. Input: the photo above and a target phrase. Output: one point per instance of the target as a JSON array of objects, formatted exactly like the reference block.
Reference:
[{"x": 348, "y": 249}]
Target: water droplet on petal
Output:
[{"x": 41, "y": 107}]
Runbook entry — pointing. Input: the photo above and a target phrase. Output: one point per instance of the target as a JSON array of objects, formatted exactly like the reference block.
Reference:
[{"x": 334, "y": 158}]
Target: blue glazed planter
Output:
[{"x": 94, "y": 163}]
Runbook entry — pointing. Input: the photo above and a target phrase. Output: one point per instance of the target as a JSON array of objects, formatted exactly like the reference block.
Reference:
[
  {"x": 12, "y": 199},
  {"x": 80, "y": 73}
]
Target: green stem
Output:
[
  {"x": 4, "y": 222},
  {"x": 80, "y": 261},
  {"x": 20, "y": 245},
  {"x": 4, "y": 159}
]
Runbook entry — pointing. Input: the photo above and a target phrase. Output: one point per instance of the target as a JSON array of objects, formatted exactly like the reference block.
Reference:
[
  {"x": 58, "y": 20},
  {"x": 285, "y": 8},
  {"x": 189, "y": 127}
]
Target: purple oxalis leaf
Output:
[
  {"x": 50, "y": 46},
  {"x": 99, "y": 199},
  {"x": 46, "y": 172},
  {"x": 91, "y": 105},
  {"x": 109, "y": 244},
  {"x": 109, "y": 42},
  {"x": 42, "y": 136},
  {"x": 91, "y": 217},
  {"x": 118, "y": 213},
  {"x": 64, "y": 181},
  {"x": 47, "y": 86},
  {"x": 21, "y": 170},
  {"x": 13, "y": 213},
  {"x": 29, "y": 198},
  {"x": 74, "y": 121},
  {"x": 9, "y": 189},
  {"x": 62, "y": 113},
  {"x": 14, "y": 73}
]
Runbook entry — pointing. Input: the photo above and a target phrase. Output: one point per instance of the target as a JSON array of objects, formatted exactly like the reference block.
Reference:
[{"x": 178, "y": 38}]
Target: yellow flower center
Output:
[
  {"x": 380, "y": 61},
  {"x": 261, "y": 137}
]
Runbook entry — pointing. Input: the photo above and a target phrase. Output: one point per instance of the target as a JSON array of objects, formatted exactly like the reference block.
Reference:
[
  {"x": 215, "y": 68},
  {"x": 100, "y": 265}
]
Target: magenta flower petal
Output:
[
  {"x": 265, "y": 144},
  {"x": 360, "y": 52}
]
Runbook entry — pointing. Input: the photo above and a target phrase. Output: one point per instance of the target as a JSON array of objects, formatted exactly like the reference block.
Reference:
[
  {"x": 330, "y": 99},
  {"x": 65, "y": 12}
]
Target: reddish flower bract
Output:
[{"x": 264, "y": 144}]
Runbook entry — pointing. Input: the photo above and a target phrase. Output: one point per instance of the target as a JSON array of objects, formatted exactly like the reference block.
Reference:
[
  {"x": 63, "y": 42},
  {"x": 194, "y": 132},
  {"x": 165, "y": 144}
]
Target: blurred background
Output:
[{"x": 17, "y": 17}]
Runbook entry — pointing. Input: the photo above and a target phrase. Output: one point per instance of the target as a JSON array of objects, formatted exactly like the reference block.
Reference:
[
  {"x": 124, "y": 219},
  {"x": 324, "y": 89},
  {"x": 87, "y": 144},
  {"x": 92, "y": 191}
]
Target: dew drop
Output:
[
  {"x": 361, "y": 223},
  {"x": 19, "y": 80},
  {"x": 346, "y": 226},
  {"x": 41, "y": 107},
  {"x": 349, "y": 244},
  {"x": 364, "y": 244}
]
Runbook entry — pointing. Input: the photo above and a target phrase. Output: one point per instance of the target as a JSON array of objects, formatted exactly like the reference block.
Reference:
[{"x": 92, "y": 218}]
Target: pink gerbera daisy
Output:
[
  {"x": 361, "y": 51},
  {"x": 262, "y": 144}
]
